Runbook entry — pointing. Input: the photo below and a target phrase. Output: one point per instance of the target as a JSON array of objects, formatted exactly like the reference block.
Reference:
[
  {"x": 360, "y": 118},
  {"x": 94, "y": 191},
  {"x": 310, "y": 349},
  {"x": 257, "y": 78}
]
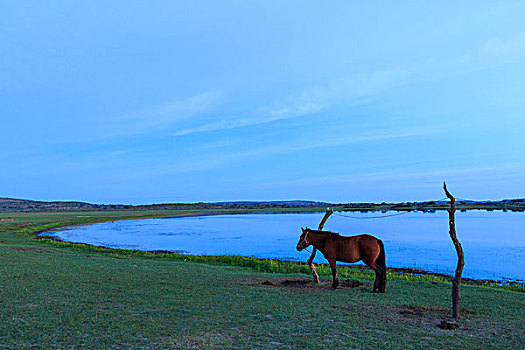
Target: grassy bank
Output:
[{"x": 58, "y": 295}]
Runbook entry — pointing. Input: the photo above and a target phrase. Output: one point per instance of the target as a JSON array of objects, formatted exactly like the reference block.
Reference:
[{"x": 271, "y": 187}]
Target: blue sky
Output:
[{"x": 182, "y": 101}]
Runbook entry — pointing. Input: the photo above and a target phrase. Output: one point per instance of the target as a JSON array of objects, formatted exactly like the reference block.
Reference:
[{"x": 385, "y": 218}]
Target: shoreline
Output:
[
  {"x": 178, "y": 254},
  {"x": 38, "y": 235}
]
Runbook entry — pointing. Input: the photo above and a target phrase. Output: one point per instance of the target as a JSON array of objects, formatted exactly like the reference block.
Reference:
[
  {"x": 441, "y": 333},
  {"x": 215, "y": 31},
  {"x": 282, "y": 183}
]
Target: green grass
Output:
[
  {"x": 56, "y": 295},
  {"x": 277, "y": 266}
]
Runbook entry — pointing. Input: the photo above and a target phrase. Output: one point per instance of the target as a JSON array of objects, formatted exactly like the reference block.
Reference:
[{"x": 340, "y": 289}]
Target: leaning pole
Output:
[{"x": 456, "y": 296}]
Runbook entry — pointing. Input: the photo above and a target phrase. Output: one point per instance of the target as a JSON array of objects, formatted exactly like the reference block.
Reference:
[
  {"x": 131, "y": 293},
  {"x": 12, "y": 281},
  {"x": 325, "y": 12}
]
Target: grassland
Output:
[{"x": 63, "y": 296}]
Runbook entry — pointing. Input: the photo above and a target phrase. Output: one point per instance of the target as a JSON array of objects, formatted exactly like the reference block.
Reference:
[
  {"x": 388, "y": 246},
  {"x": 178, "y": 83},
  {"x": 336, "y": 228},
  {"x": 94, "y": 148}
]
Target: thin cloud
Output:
[
  {"x": 176, "y": 110},
  {"x": 219, "y": 160},
  {"x": 354, "y": 91},
  {"x": 270, "y": 115},
  {"x": 226, "y": 124},
  {"x": 508, "y": 48},
  {"x": 157, "y": 118}
]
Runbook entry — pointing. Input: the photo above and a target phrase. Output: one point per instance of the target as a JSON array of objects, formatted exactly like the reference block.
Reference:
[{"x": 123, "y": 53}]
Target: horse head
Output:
[{"x": 303, "y": 240}]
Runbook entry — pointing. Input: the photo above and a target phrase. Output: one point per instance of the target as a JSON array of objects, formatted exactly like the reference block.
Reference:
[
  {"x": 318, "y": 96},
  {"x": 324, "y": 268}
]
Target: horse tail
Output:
[{"x": 381, "y": 263}]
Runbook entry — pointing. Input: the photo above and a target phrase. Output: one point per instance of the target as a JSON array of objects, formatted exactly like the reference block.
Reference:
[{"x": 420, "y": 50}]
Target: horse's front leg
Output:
[
  {"x": 333, "y": 266},
  {"x": 312, "y": 266}
]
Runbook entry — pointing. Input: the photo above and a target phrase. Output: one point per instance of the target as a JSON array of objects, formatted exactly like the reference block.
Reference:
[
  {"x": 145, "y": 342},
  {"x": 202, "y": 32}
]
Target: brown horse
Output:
[{"x": 334, "y": 247}]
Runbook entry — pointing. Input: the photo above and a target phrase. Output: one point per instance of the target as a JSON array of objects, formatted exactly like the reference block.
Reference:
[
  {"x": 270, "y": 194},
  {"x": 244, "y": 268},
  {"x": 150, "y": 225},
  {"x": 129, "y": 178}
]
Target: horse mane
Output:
[{"x": 323, "y": 232}]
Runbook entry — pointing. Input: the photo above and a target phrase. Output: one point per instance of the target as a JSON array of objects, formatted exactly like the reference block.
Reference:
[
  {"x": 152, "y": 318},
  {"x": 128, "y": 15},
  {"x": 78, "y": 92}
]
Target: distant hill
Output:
[
  {"x": 13, "y": 204},
  {"x": 25, "y": 205},
  {"x": 270, "y": 203}
]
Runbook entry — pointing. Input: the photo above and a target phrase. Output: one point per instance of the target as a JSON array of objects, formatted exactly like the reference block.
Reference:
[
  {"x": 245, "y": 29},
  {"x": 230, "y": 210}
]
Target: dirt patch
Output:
[
  {"x": 420, "y": 311},
  {"x": 447, "y": 324},
  {"x": 425, "y": 310},
  {"x": 36, "y": 250},
  {"x": 434, "y": 320},
  {"x": 296, "y": 283},
  {"x": 351, "y": 283},
  {"x": 303, "y": 284}
]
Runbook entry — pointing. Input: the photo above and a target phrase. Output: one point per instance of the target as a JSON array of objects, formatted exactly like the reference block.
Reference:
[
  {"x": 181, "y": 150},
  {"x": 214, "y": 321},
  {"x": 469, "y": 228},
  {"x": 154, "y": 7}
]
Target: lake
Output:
[{"x": 494, "y": 242}]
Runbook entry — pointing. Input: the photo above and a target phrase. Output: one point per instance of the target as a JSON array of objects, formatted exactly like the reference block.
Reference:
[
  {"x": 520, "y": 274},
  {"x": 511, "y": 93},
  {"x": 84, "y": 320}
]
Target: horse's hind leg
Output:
[
  {"x": 333, "y": 266},
  {"x": 382, "y": 288},
  {"x": 378, "y": 271},
  {"x": 377, "y": 282}
]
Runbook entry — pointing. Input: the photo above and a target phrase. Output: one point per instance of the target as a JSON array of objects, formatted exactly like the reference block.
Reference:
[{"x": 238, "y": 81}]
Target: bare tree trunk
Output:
[
  {"x": 314, "y": 250},
  {"x": 456, "y": 296}
]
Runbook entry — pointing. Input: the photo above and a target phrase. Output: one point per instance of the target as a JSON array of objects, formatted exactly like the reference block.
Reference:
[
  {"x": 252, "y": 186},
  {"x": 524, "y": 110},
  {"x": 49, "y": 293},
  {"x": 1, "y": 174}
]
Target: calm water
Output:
[{"x": 494, "y": 242}]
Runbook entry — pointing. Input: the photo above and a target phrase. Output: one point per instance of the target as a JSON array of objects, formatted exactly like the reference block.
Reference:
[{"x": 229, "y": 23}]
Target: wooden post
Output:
[
  {"x": 456, "y": 296},
  {"x": 314, "y": 250},
  {"x": 325, "y": 217}
]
